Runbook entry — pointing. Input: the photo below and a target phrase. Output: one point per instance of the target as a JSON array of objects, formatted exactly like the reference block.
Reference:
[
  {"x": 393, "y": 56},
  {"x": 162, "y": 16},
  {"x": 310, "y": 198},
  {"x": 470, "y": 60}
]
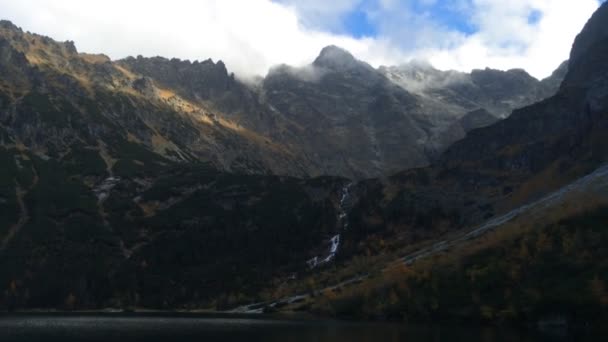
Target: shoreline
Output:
[{"x": 209, "y": 314}]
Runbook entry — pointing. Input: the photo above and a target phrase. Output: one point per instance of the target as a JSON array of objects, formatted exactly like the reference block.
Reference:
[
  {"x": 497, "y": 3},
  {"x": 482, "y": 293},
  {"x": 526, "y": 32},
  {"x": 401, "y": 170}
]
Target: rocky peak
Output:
[
  {"x": 416, "y": 69},
  {"x": 221, "y": 67},
  {"x": 573, "y": 120},
  {"x": 70, "y": 47},
  {"x": 417, "y": 76},
  {"x": 202, "y": 80},
  {"x": 7, "y": 25},
  {"x": 488, "y": 75},
  {"x": 336, "y": 58},
  {"x": 519, "y": 72},
  {"x": 557, "y": 77},
  {"x": 594, "y": 31},
  {"x": 507, "y": 85},
  {"x": 589, "y": 53}
]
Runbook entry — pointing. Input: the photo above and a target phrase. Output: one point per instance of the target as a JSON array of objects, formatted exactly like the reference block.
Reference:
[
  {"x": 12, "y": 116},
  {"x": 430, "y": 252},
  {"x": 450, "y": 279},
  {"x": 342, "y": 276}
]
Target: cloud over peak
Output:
[{"x": 251, "y": 36}]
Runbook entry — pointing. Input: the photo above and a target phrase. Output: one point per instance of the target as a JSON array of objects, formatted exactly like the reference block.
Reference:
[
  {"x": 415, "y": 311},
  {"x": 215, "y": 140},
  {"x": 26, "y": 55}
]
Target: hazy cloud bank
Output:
[{"x": 251, "y": 36}]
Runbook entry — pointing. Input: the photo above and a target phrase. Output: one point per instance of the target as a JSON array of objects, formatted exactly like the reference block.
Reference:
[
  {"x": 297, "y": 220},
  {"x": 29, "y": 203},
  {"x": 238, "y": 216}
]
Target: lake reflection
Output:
[{"x": 179, "y": 329}]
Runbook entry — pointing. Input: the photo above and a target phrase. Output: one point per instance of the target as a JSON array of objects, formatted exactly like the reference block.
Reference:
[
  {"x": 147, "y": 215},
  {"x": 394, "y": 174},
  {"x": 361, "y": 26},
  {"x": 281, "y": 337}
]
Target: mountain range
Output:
[
  {"x": 169, "y": 184},
  {"x": 337, "y": 116}
]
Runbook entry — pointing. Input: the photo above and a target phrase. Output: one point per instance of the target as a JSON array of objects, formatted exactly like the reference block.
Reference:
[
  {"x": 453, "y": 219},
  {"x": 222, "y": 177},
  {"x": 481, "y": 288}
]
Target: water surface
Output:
[{"x": 186, "y": 329}]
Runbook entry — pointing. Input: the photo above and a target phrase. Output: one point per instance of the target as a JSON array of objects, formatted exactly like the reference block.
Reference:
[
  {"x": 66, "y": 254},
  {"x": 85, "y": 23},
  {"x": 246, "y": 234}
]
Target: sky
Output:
[{"x": 251, "y": 36}]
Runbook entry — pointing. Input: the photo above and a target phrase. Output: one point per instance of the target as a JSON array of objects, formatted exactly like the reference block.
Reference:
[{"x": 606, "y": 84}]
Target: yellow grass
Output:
[
  {"x": 132, "y": 138},
  {"x": 53, "y": 56},
  {"x": 95, "y": 58},
  {"x": 149, "y": 209},
  {"x": 107, "y": 158},
  {"x": 161, "y": 145}
]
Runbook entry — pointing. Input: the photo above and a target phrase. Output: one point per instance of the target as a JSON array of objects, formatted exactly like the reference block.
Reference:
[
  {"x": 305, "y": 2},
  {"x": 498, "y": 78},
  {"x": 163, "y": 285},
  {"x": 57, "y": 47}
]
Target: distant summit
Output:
[
  {"x": 336, "y": 58},
  {"x": 593, "y": 33}
]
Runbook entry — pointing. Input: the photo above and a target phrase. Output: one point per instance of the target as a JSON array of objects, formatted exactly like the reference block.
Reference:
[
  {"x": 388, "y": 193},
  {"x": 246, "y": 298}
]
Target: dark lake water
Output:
[{"x": 186, "y": 329}]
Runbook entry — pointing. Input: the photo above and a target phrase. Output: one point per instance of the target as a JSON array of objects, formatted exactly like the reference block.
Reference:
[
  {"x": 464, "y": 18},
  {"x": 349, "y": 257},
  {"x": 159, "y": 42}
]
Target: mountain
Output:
[
  {"x": 505, "y": 225},
  {"x": 508, "y": 224},
  {"x": 338, "y": 116},
  {"x": 314, "y": 112},
  {"x": 498, "y": 92},
  {"x": 168, "y": 184},
  {"x": 368, "y": 121},
  {"x": 354, "y": 119},
  {"x": 487, "y": 91},
  {"x": 84, "y": 141},
  {"x": 54, "y": 98}
]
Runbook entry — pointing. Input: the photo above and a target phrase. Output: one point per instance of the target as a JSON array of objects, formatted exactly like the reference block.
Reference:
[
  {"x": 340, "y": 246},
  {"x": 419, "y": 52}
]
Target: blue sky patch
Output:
[
  {"x": 357, "y": 21},
  {"x": 535, "y": 17},
  {"x": 357, "y": 24},
  {"x": 447, "y": 14}
]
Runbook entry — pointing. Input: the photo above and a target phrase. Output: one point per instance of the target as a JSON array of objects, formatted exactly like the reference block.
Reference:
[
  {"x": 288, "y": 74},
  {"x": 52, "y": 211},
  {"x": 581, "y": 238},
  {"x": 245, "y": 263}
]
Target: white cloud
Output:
[
  {"x": 250, "y": 36},
  {"x": 507, "y": 40}
]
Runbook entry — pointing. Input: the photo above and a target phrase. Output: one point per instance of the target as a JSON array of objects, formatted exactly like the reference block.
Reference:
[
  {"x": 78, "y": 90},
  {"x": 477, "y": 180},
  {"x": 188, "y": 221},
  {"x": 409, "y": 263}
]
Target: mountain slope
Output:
[
  {"x": 363, "y": 119},
  {"x": 55, "y": 97},
  {"x": 339, "y": 115},
  {"x": 489, "y": 91},
  {"x": 498, "y": 92},
  {"x": 500, "y": 167},
  {"x": 176, "y": 237},
  {"x": 353, "y": 117}
]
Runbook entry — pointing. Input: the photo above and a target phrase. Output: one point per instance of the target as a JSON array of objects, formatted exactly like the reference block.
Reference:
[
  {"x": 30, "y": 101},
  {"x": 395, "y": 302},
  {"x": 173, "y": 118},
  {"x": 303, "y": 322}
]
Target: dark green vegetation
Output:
[
  {"x": 9, "y": 210},
  {"x": 180, "y": 240},
  {"x": 138, "y": 229},
  {"x": 230, "y": 235},
  {"x": 554, "y": 271}
]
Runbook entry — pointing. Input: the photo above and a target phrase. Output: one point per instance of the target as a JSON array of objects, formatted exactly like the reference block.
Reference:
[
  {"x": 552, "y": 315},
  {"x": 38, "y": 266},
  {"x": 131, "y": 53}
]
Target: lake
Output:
[{"x": 67, "y": 328}]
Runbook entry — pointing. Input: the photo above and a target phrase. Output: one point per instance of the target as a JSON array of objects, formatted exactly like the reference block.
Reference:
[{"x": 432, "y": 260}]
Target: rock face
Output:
[
  {"x": 475, "y": 100},
  {"x": 569, "y": 121},
  {"x": 340, "y": 116},
  {"x": 338, "y": 59},
  {"x": 497, "y": 92},
  {"x": 364, "y": 122},
  {"x": 476, "y": 119},
  {"x": 59, "y": 97},
  {"x": 354, "y": 120},
  {"x": 553, "y": 82},
  {"x": 205, "y": 80},
  {"x": 470, "y": 121},
  {"x": 196, "y": 81},
  {"x": 337, "y": 116},
  {"x": 586, "y": 59}
]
